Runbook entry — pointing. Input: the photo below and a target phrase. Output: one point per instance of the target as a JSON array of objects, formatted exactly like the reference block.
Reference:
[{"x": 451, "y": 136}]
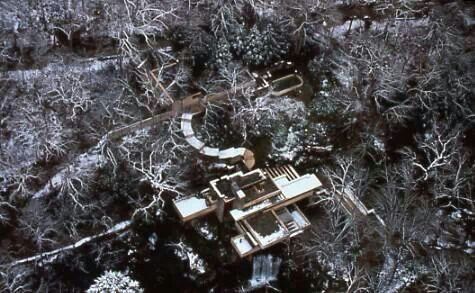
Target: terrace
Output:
[{"x": 260, "y": 202}]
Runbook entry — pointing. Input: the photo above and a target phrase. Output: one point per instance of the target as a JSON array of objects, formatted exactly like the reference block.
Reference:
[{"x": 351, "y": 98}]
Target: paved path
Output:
[
  {"x": 195, "y": 103},
  {"x": 187, "y": 108}
]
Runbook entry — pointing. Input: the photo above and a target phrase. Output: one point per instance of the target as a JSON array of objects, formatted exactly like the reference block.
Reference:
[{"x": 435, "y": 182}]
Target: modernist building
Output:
[{"x": 260, "y": 202}]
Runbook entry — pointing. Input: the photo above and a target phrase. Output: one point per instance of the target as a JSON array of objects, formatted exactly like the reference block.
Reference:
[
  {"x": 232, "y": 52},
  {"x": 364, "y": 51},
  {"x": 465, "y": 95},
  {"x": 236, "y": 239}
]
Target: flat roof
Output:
[
  {"x": 299, "y": 186},
  {"x": 281, "y": 180},
  {"x": 231, "y": 153},
  {"x": 260, "y": 190},
  {"x": 238, "y": 214},
  {"x": 195, "y": 143},
  {"x": 230, "y": 184},
  {"x": 191, "y": 205},
  {"x": 187, "y": 116},
  {"x": 210, "y": 152},
  {"x": 250, "y": 178},
  {"x": 299, "y": 219},
  {"x": 242, "y": 245},
  {"x": 266, "y": 229},
  {"x": 186, "y": 128}
]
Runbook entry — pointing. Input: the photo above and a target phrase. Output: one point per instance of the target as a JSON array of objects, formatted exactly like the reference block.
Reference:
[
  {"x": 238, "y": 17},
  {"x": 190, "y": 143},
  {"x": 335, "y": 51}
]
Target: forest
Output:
[{"x": 93, "y": 153}]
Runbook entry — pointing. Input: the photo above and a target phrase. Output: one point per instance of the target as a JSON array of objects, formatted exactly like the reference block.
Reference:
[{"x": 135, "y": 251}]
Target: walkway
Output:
[
  {"x": 231, "y": 155},
  {"x": 196, "y": 104}
]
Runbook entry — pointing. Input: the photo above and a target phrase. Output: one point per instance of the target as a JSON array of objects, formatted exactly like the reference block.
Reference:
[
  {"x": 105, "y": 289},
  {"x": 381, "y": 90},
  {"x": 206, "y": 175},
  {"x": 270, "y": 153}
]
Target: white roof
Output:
[
  {"x": 240, "y": 194},
  {"x": 231, "y": 153},
  {"x": 241, "y": 244},
  {"x": 281, "y": 180},
  {"x": 195, "y": 143},
  {"x": 301, "y": 185},
  {"x": 191, "y": 205},
  {"x": 299, "y": 219},
  {"x": 238, "y": 214},
  {"x": 186, "y": 128},
  {"x": 277, "y": 235},
  {"x": 187, "y": 116},
  {"x": 210, "y": 152}
]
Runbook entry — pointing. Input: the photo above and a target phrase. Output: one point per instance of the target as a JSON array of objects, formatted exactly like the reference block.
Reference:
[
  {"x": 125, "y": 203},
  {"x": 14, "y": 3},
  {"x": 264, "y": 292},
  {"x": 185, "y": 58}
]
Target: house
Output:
[{"x": 261, "y": 202}]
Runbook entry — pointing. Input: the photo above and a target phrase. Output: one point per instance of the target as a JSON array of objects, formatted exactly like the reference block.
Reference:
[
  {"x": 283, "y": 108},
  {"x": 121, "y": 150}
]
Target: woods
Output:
[{"x": 385, "y": 113}]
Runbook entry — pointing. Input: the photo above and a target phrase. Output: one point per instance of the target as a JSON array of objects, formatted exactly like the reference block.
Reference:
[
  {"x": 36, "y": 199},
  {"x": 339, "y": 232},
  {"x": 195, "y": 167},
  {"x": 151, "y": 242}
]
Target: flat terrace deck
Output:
[
  {"x": 263, "y": 205},
  {"x": 193, "y": 207},
  {"x": 260, "y": 191},
  {"x": 264, "y": 230}
]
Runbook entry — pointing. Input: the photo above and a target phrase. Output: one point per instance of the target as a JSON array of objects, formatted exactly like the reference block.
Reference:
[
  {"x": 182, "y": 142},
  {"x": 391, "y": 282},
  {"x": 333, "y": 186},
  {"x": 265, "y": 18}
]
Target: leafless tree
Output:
[
  {"x": 71, "y": 93},
  {"x": 438, "y": 151},
  {"x": 16, "y": 280},
  {"x": 448, "y": 274},
  {"x": 330, "y": 243},
  {"x": 440, "y": 159}
]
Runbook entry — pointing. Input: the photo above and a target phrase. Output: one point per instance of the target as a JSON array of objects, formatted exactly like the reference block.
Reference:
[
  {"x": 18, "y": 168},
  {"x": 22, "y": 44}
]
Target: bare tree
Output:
[
  {"x": 71, "y": 93},
  {"x": 441, "y": 159},
  {"x": 448, "y": 274}
]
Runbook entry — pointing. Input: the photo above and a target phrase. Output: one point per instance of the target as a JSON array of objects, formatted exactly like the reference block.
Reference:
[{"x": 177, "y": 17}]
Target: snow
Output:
[
  {"x": 457, "y": 215},
  {"x": 83, "y": 165},
  {"x": 152, "y": 241},
  {"x": 190, "y": 206},
  {"x": 186, "y": 128},
  {"x": 271, "y": 238},
  {"x": 394, "y": 278},
  {"x": 118, "y": 227},
  {"x": 342, "y": 30},
  {"x": 195, "y": 143},
  {"x": 196, "y": 263},
  {"x": 242, "y": 245},
  {"x": 291, "y": 147},
  {"x": 325, "y": 88},
  {"x": 301, "y": 185},
  {"x": 111, "y": 281},
  {"x": 281, "y": 180},
  {"x": 204, "y": 229},
  {"x": 298, "y": 218},
  {"x": 231, "y": 153},
  {"x": 89, "y": 65},
  {"x": 210, "y": 152},
  {"x": 51, "y": 256},
  {"x": 186, "y": 253},
  {"x": 401, "y": 24},
  {"x": 378, "y": 144},
  {"x": 238, "y": 214}
]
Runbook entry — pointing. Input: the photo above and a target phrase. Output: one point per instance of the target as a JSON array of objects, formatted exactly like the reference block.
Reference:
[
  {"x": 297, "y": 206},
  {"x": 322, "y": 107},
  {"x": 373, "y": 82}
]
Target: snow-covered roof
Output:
[
  {"x": 242, "y": 245},
  {"x": 186, "y": 128},
  {"x": 267, "y": 240},
  {"x": 187, "y": 116},
  {"x": 191, "y": 205},
  {"x": 195, "y": 143},
  {"x": 238, "y": 214},
  {"x": 240, "y": 194},
  {"x": 281, "y": 180},
  {"x": 231, "y": 153},
  {"x": 299, "y": 219},
  {"x": 210, "y": 152},
  {"x": 299, "y": 186}
]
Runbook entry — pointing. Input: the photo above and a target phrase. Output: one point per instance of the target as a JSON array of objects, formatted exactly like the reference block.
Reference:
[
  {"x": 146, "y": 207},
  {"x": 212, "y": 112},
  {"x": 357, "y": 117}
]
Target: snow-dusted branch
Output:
[{"x": 50, "y": 256}]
